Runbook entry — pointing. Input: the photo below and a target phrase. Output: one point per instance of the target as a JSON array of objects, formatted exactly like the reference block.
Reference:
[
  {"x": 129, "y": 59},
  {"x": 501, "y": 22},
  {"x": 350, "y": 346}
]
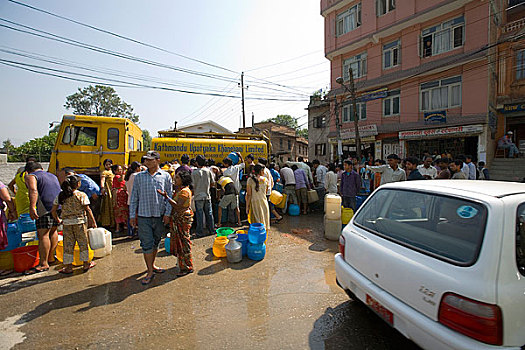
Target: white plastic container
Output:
[
  {"x": 106, "y": 250},
  {"x": 96, "y": 238},
  {"x": 332, "y": 206},
  {"x": 312, "y": 196},
  {"x": 332, "y": 228}
]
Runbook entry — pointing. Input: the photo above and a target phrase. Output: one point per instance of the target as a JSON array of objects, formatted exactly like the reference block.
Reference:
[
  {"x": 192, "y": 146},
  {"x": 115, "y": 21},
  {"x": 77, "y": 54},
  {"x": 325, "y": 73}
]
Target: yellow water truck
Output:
[{"x": 173, "y": 144}]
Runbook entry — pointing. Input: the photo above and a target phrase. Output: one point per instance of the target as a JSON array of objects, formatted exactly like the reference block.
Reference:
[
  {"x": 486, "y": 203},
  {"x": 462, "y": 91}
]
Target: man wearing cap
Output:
[
  {"x": 391, "y": 172},
  {"x": 202, "y": 181},
  {"x": 506, "y": 143},
  {"x": 149, "y": 210}
]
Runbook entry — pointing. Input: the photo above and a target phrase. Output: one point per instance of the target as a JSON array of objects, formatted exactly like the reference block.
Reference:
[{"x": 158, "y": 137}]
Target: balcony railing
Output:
[{"x": 512, "y": 26}]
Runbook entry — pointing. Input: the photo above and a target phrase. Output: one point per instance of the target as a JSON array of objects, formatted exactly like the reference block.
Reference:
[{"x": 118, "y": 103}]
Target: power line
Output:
[
  {"x": 281, "y": 62},
  {"x": 121, "y": 36}
]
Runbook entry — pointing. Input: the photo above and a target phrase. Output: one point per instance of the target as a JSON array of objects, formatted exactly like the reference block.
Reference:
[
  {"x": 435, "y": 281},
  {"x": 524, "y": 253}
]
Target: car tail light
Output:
[
  {"x": 472, "y": 318},
  {"x": 342, "y": 245}
]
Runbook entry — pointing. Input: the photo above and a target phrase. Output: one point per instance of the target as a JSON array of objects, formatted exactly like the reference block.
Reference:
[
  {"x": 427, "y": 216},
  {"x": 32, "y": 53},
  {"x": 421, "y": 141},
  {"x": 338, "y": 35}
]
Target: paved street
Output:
[{"x": 287, "y": 301}]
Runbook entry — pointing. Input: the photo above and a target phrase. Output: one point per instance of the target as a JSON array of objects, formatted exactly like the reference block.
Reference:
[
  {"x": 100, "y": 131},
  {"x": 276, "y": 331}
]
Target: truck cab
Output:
[{"x": 83, "y": 142}]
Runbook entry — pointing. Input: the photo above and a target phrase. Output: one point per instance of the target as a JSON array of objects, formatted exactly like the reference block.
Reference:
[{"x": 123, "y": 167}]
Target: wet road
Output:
[{"x": 289, "y": 300}]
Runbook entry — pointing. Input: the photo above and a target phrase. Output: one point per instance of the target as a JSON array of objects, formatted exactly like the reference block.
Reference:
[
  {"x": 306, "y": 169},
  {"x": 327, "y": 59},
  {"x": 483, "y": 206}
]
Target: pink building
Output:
[{"x": 423, "y": 71}]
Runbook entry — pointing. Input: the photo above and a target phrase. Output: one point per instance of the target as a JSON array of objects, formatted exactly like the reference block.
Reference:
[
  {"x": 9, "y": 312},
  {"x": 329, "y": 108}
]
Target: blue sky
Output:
[{"x": 240, "y": 35}]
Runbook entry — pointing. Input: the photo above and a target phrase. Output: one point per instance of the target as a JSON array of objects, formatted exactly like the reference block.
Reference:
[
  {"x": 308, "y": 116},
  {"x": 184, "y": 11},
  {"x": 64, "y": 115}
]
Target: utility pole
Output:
[
  {"x": 242, "y": 102},
  {"x": 338, "y": 132},
  {"x": 356, "y": 122},
  {"x": 253, "y": 123}
]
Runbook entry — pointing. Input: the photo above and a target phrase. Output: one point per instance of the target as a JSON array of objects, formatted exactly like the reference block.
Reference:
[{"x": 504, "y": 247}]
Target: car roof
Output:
[{"x": 496, "y": 189}]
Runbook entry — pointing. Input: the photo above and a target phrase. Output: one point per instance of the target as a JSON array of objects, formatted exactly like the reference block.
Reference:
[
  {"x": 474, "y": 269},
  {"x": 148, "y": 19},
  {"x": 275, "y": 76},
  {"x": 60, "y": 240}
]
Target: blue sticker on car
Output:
[{"x": 467, "y": 212}]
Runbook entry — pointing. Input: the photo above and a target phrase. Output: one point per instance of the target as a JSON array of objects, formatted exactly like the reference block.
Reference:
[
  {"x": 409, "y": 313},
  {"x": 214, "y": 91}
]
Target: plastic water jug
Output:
[
  {"x": 242, "y": 238},
  {"x": 282, "y": 203},
  {"x": 14, "y": 237},
  {"x": 167, "y": 243},
  {"x": 218, "y": 246},
  {"x": 233, "y": 249},
  {"x": 224, "y": 231},
  {"x": 59, "y": 253},
  {"x": 294, "y": 210},
  {"x": 276, "y": 197},
  {"x": 332, "y": 206},
  {"x": 26, "y": 224},
  {"x": 234, "y": 157},
  {"x": 108, "y": 247},
  {"x": 257, "y": 233},
  {"x": 332, "y": 228},
  {"x": 224, "y": 180},
  {"x": 96, "y": 237},
  {"x": 256, "y": 251},
  {"x": 346, "y": 215},
  {"x": 312, "y": 196}
]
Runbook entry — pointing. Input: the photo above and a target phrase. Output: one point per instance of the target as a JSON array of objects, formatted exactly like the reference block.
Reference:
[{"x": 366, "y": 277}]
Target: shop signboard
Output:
[
  {"x": 372, "y": 95},
  {"x": 512, "y": 108},
  {"x": 364, "y": 131},
  {"x": 431, "y": 133},
  {"x": 438, "y": 117}
]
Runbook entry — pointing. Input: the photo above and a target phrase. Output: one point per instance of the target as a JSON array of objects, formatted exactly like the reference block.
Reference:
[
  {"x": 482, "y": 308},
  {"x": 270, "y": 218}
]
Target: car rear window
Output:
[{"x": 448, "y": 228}]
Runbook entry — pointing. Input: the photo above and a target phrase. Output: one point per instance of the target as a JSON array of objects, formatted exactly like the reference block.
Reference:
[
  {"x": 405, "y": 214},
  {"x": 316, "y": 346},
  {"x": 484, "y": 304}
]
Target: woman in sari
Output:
[
  {"x": 257, "y": 207},
  {"x": 106, "y": 217},
  {"x": 181, "y": 220},
  {"x": 120, "y": 198}
]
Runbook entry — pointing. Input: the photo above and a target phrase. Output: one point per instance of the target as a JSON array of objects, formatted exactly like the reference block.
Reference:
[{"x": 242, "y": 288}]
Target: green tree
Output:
[
  {"x": 40, "y": 148},
  {"x": 302, "y": 133},
  {"x": 8, "y": 146},
  {"x": 100, "y": 100},
  {"x": 284, "y": 119},
  {"x": 147, "y": 140}
]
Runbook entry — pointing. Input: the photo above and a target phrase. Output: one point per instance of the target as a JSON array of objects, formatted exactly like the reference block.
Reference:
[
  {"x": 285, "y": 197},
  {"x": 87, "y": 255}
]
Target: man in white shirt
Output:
[
  {"x": 391, "y": 172},
  {"x": 320, "y": 173},
  {"x": 465, "y": 169},
  {"x": 232, "y": 171},
  {"x": 471, "y": 168},
  {"x": 426, "y": 169}
]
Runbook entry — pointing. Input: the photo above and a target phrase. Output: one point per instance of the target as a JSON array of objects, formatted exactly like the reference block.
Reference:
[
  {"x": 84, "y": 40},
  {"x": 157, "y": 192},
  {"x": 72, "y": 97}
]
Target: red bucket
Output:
[{"x": 25, "y": 258}]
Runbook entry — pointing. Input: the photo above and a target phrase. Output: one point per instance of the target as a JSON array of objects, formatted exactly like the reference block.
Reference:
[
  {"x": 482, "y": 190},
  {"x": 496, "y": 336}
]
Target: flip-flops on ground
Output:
[
  {"x": 34, "y": 270},
  {"x": 158, "y": 270},
  {"x": 147, "y": 280},
  {"x": 91, "y": 265}
]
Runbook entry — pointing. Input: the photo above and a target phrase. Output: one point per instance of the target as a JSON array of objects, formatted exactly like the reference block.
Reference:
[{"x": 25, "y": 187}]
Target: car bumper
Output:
[{"x": 417, "y": 327}]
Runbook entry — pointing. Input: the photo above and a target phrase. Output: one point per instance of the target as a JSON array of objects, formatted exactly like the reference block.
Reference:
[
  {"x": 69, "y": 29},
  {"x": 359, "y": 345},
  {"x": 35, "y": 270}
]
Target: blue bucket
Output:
[
  {"x": 294, "y": 210},
  {"x": 167, "y": 245},
  {"x": 14, "y": 237},
  {"x": 256, "y": 251},
  {"x": 257, "y": 233},
  {"x": 26, "y": 224},
  {"x": 243, "y": 239}
]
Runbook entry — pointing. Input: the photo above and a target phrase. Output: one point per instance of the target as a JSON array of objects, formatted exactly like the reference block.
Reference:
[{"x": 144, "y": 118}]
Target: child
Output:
[
  {"x": 120, "y": 198},
  {"x": 75, "y": 208}
]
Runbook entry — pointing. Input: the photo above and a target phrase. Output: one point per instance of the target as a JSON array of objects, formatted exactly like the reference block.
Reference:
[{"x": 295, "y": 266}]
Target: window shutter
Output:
[
  {"x": 359, "y": 14},
  {"x": 420, "y": 46}
]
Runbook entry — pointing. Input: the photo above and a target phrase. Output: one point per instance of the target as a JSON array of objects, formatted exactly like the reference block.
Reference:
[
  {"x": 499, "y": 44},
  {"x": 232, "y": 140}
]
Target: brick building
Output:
[{"x": 424, "y": 71}]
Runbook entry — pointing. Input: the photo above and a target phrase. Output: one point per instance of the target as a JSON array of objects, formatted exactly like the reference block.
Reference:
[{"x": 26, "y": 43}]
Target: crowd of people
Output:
[{"x": 146, "y": 199}]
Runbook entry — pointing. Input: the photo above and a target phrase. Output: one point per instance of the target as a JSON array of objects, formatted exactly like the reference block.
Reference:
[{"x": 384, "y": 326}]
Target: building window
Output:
[
  {"x": 391, "y": 57},
  {"x": 441, "y": 94},
  {"x": 320, "y": 149},
  {"x": 348, "y": 20},
  {"x": 131, "y": 142},
  {"x": 139, "y": 145},
  {"x": 320, "y": 122},
  {"x": 391, "y": 103},
  {"x": 443, "y": 37},
  {"x": 348, "y": 112},
  {"x": 385, "y": 6},
  {"x": 358, "y": 65},
  {"x": 520, "y": 64}
]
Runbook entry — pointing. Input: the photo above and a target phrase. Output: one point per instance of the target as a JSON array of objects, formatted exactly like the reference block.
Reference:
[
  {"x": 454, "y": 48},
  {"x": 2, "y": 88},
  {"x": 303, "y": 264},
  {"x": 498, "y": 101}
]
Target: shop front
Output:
[
  {"x": 367, "y": 136},
  {"x": 455, "y": 140},
  {"x": 514, "y": 119}
]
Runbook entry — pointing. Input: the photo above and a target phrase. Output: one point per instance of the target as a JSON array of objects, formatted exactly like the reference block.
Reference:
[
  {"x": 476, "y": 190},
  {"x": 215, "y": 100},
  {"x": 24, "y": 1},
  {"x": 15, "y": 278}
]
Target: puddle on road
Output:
[{"x": 10, "y": 334}]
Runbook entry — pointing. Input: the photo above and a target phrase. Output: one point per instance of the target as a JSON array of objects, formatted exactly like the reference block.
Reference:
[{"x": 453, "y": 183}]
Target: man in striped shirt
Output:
[{"x": 149, "y": 210}]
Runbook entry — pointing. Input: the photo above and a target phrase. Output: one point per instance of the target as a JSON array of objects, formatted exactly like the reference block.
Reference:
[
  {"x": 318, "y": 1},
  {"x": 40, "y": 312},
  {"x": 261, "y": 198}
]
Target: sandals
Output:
[
  {"x": 147, "y": 280},
  {"x": 158, "y": 270},
  {"x": 279, "y": 220},
  {"x": 90, "y": 266},
  {"x": 184, "y": 273},
  {"x": 34, "y": 270}
]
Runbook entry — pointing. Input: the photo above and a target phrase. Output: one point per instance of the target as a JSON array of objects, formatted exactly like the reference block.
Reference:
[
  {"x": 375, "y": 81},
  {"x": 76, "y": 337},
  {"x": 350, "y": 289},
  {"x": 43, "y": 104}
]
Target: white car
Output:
[{"x": 442, "y": 261}]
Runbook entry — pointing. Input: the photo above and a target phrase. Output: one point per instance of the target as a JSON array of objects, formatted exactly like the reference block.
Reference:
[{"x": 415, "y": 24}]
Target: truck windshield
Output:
[{"x": 448, "y": 228}]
